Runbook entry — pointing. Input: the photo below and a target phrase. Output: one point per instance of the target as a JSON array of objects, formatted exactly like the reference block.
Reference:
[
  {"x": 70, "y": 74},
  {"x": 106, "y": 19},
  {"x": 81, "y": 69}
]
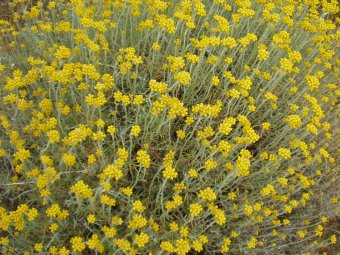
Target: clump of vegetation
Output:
[{"x": 169, "y": 127}]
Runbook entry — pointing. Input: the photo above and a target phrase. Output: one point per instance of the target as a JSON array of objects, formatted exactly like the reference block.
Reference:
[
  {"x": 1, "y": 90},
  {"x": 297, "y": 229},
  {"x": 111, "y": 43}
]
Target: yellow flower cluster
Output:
[
  {"x": 127, "y": 59},
  {"x": 226, "y": 125},
  {"x": 113, "y": 171},
  {"x": 159, "y": 87},
  {"x": 207, "y": 194},
  {"x": 135, "y": 130},
  {"x": 69, "y": 159},
  {"x": 218, "y": 214},
  {"x": 176, "y": 63},
  {"x": 225, "y": 246},
  {"x": 143, "y": 158},
  {"x": 82, "y": 190},
  {"x": 294, "y": 121},
  {"x": 250, "y": 135},
  {"x": 96, "y": 101},
  {"x": 208, "y": 110},
  {"x": 195, "y": 209},
  {"x": 169, "y": 171},
  {"x": 284, "y": 153},
  {"x": 95, "y": 244},
  {"x": 183, "y": 77},
  {"x": 138, "y": 221},
  {"x": 77, "y": 135},
  {"x": 77, "y": 244},
  {"x": 246, "y": 40},
  {"x": 222, "y": 24},
  {"x": 243, "y": 163},
  {"x": 142, "y": 239},
  {"x": 62, "y": 52},
  {"x": 210, "y": 164},
  {"x": 176, "y": 107},
  {"x": 263, "y": 53}
]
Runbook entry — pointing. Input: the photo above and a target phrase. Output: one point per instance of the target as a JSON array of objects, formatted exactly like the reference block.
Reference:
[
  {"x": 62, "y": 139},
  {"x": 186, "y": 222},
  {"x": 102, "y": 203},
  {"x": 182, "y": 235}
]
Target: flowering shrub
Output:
[{"x": 158, "y": 127}]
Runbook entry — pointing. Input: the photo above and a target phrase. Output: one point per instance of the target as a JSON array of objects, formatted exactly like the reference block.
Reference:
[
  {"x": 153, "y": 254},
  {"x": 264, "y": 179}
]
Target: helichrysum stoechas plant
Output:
[{"x": 157, "y": 127}]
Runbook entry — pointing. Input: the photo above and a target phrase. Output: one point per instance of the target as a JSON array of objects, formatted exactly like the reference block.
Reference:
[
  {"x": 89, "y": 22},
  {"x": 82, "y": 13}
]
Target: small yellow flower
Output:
[
  {"x": 183, "y": 77},
  {"x": 333, "y": 239},
  {"x": 180, "y": 134},
  {"x": 138, "y": 206},
  {"x": 156, "y": 46},
  {"x": 38, "y": 247},
  {"x": 142, "y": 239},
  {"x": 91, "y": 218},
  {"x": 127, "y": 191},
  {"x": 135, "y": 130},
  {"x": 53, "y": 227},
  {"x": 195, "y": 209},
  {"x": 53, "y": 136},
  {"x": 193, "y": 173},
  {"x": 210, "y": 164}
]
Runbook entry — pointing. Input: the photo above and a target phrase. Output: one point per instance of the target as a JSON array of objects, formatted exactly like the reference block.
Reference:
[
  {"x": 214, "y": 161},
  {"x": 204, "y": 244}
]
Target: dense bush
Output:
[{"x": 157, "y": 127}]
